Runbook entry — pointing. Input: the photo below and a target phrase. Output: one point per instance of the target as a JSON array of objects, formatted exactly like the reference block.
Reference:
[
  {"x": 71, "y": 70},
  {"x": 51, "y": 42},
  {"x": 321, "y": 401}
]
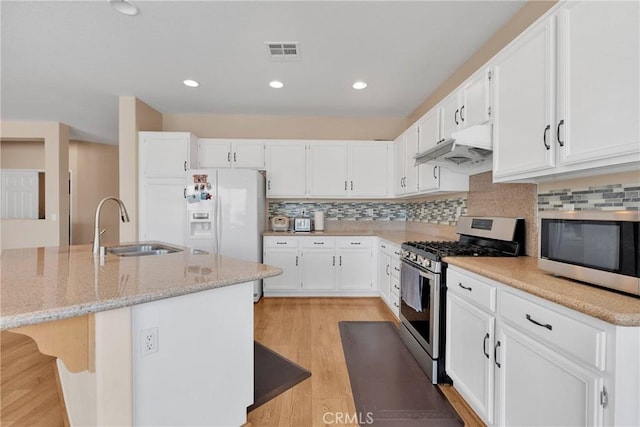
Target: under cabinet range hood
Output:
[{"x": 467, "y": 148}]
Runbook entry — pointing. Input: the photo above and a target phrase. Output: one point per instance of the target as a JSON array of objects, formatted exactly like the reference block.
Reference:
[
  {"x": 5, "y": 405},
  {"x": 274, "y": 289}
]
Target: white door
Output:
[
  {"x": 384, "y": 274},
  {"x": 475, "y": 100},
  {"x": 354, "y": 270},
  {"x": 469, "y": 361},
  {"x": 287, "y": 260},
  {"x": 411, "y": 171},
  {"x": 248, "y": 154},
  {"x": 328, "y": 170},
  {"x": 214, "y": 153},
  {"x": 523, "y": 102},
  {"x": 368, "y": 169},
  {"x": 286, "y": 169},
  {"x": 399, "y": 146},
  {"x": 449, "y": 115},
  {"x": 164, "y": 154},
  {"x": 318, "y": 269},
  {"x": 19, "y": 194},
  {"x": 538, "y": 387},
  {"x": 163, "y": 211},
  {"x": 599, "y": 88}
]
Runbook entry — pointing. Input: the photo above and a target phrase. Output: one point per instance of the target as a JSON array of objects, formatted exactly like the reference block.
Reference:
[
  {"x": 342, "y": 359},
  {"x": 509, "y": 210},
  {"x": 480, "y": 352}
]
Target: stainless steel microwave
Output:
[{"x": 597, "y": 247}]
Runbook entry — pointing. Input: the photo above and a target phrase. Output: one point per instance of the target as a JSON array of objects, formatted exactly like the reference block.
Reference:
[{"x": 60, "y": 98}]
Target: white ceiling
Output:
[{"x": 69, "y": 61}]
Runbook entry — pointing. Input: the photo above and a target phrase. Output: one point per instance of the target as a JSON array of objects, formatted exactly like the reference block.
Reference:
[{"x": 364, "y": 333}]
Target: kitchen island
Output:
[{"x": 163, "y": 339}]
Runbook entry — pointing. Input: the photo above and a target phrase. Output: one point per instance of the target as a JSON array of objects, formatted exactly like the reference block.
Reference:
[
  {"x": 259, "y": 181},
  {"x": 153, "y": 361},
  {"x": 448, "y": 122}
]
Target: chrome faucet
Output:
[{"x": 96, "y": 236}]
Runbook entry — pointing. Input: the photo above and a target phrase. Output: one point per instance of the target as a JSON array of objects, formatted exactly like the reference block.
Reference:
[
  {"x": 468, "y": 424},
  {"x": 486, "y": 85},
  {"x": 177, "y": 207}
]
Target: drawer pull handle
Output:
[
  {"x": 355, "y": 243},
  {"x": 396, "y": 304},
  {"x": 396, "y": 287},
  {"x": 281, "y": 243},
  {"x": 495, "y": 354},
  {"x": 318, "y": 243},
  {"x": 296, "y": 260},
  {"x": 544, "y": 325},
  {"x": 387, "y": 269},
  {"x": 396, "y": 269},
  {"x": 466, "y": 288},
  {"x": 484, "y": 345}
]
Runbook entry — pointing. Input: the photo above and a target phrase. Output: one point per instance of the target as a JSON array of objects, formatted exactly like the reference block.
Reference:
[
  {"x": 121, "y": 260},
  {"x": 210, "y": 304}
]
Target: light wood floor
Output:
[
  {"x": 29, "y": 389},
  {"x": 305, "y": 330}
]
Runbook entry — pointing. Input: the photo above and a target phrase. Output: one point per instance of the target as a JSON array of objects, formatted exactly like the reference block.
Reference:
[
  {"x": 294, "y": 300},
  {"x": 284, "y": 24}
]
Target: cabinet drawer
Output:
[
  {"x": 583, "y": 341},
  {"x": 395, "y": 288},
  {"x": 280, "y": 242},
  {"x": 395, "y": 266},
  {"x": 354, "y": 242},
  {"x": 472, "y": 289},
  {"x": 317, "y": 242}
]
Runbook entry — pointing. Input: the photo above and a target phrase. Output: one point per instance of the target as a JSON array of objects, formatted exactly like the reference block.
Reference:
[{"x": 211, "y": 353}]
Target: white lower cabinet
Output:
[
  {"x": 537, "y": 386},
  {"x": 320, "y": 266},
  {"x": 389, "y": 275},
  {"x": 544, "y": 365},
  {"x": 470, "y": 332}
]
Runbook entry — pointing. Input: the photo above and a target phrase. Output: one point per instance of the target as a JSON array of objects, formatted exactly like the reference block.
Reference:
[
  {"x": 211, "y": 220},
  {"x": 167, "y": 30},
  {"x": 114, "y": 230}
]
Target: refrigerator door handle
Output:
[{"x": 218, "y": 227}]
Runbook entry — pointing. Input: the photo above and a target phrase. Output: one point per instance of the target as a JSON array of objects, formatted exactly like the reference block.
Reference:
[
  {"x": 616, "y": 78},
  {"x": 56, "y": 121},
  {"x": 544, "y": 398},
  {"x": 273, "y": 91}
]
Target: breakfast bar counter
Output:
[{"x": 44, "y": 284}]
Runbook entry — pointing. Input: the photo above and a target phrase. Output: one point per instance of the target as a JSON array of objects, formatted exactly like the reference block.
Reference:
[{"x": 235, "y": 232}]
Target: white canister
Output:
[{"x": 318, "y": 221}]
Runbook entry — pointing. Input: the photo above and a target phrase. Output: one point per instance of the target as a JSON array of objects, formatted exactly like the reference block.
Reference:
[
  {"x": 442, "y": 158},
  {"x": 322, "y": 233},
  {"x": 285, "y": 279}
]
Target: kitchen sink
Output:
[{"x": 142, "y": 249}]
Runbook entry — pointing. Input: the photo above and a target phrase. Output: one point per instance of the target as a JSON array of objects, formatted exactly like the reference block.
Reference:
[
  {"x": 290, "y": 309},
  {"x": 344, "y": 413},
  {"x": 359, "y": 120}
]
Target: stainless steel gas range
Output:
[{"x": 423, "y": 283}]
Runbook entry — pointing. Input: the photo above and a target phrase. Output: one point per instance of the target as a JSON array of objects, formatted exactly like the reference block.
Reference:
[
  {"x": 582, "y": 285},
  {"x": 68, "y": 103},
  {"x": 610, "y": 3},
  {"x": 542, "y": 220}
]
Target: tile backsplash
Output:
[
  {"x": 437, "y": 212},
  {"x": 602, "y": 197}
]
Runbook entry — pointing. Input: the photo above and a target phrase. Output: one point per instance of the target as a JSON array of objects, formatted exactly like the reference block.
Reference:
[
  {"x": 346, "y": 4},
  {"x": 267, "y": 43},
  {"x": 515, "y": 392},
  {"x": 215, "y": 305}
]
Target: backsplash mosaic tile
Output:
[
  {"x": 437, "y": 212},
  {"x": 603, "y": 197}
]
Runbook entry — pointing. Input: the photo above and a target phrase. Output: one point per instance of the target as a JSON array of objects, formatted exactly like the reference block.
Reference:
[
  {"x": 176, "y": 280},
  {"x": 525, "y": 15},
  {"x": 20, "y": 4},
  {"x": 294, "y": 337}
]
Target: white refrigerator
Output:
[{"x": 226, "y": 214}]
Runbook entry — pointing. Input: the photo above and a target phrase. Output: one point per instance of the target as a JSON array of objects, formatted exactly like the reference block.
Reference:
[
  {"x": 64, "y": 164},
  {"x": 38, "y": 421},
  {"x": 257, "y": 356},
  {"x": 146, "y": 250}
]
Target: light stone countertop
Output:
[
  {"x": 523, "y": 273},
  {"x": 44, "y": 284}
]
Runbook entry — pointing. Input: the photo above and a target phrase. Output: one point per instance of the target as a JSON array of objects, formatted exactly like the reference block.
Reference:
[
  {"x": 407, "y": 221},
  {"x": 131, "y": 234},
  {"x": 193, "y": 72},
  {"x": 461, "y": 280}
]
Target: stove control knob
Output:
[{"x": 414, "y": 257}]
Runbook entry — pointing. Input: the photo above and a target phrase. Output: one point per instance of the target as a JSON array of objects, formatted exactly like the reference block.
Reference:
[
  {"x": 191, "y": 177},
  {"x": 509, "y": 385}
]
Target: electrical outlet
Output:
[
  {"x": 370, "y": 212},
  {"x": 148, "y": 341}
]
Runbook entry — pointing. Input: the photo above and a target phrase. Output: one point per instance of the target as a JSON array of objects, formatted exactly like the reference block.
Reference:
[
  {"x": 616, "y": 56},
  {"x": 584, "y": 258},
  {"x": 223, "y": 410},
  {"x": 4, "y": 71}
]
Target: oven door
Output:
[{"x": 419, "y": 309}]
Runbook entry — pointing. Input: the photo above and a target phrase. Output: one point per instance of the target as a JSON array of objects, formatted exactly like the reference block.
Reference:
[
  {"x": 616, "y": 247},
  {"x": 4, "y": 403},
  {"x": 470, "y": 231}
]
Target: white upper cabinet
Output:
[
  {"x": 598, "y": 114},
  {"x": 369, "y": 169},
  {"x": 356, "y": 169},
  {"x": 475, "y": 108},
  {"x": 449, "y": 116},
  {"x": 286, "y": 164},
  {"x": 580, "y": 112},
  {"x": 524, "y": 88},
  {"x": 406, "y": 172},
  {"x": 328, "y": 169},
  {"x": 166, "y": 154},
  {"x": 222, "y": 153}
]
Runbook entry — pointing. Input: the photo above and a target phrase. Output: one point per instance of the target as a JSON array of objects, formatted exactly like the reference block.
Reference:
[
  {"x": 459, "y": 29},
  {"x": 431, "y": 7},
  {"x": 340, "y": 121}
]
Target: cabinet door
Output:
[
  {"x": 287, "y": 260},
  {"x": 523, "y": 94},
  {"x": 354, "y": 270},
  {"x": 328, "y": 169},
  {"x": 599, "y": 87},
  {"x": 248, "y": 154},
  {"x": 475, "y": 100},
  {"x": 214, "y": 153},
  {"x": 163, "y": 211},
  {"x": 164, "y": 154},
  {"x": 384, "y": 273},
  {"x": 368, "y": 171},
  {"x": 286, "y": 169},
  {"x": 318, "y": 269},
  {"x": 449, "y": 115},
  {"x": 536, "y": 386},
  {"x": 469, "y": 344},
  {"x": 400, "y": 165},
  {"x": 411, "y": 171}
]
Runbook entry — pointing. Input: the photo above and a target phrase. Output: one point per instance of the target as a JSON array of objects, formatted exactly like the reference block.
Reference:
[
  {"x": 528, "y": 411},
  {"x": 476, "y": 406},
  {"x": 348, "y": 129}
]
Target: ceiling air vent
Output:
[{"x": 283, "y": 51}]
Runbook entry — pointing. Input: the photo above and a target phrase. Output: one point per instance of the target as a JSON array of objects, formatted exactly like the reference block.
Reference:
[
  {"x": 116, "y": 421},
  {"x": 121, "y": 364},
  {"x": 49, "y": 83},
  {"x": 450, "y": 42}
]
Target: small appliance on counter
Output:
[
  {"x": 302, "y": 224},
  {"x": 318, "y": 221},
  {"x": 279, "y": 223}
]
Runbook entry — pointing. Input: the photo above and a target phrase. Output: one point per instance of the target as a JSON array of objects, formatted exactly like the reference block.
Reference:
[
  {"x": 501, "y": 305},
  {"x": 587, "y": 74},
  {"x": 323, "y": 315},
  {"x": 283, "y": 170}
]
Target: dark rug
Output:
[
  {"x": 272, "y": 375},
  {"x": 388, "y": 385}
]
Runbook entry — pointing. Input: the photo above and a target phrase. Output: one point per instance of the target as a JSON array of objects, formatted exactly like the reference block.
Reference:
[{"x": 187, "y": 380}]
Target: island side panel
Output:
[{"x": 202, "y": 371}]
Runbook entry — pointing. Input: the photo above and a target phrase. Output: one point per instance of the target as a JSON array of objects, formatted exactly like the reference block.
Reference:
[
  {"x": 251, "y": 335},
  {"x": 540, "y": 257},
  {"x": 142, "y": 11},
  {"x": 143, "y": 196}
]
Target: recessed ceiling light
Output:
[
  {"x": 276, "y": 84},
  {"x": 359, "y": 85},
  {"x": 191, "y": 83},
  {"x": 125, "y": 7}
]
